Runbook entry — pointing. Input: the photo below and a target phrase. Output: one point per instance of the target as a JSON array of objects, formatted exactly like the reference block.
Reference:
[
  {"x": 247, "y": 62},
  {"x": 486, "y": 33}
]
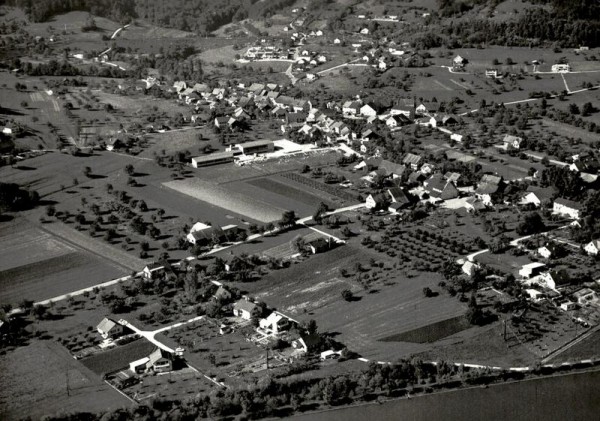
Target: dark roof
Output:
[
  {"x": 311, "y": 341},
  {"x": 569, "y": 203},
  {"x": 392, "y": 167},
  {"x": 560, "y": 277}
]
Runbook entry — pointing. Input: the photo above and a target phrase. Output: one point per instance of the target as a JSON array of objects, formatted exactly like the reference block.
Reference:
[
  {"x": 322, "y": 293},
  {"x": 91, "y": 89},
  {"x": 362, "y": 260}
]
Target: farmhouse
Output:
[
  {"x": 537, "y": 196},
  {"x": 110, "y": 329},
  {"x": 212, "y": 159},
  {"x": 206, "y": 236},
  {"x": 405, "y": 107},
  {"x": 245, "y": 309},
  {"x": 567, "y": 208},
  {"x": 531, "y": 269},
  {"x": 392, "y": 169},
  {"x": 439, "y": 188},
  {"x": 398, "y": 196},
  {"x": 473, "y": 204}
]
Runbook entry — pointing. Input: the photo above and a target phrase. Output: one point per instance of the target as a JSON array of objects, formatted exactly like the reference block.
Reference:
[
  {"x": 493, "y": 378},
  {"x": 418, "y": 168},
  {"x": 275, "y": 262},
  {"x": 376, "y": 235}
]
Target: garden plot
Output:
[{"x": 253, "y": 208}]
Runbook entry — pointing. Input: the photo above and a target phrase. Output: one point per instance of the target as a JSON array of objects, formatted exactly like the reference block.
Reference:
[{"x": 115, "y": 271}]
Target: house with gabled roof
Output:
[
  {"x": 377, "y": 201},
  {"x": 274, "y": 324},
  {"x": 351, "y": 107},
  {"x": 412, "y": 160},
  {"x": 398, "y": 196},
  {"x": 537, "y": 196},
  {"x": 512, "y": 142},
  {"x": 593, "y": 247},
  {"x": 245, "y": 309},
  {"x": 567, "y": 208},
  {"x": 222, "y": 294},
  {"x": 489, "y": 189},
  {"x": 110, "y": 329},
  {"x": 439, "y": 188},
  {"x": 307, "y": 343},
  {"x": 392, "y": 169},
  {"x": 556, "y": 278}
]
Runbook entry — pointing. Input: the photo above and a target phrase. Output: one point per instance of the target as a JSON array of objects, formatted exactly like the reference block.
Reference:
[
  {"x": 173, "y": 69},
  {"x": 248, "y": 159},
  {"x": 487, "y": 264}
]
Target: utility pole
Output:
[
  {"x": 67, "y": 380},
  {"x": 267, "y": 358}
]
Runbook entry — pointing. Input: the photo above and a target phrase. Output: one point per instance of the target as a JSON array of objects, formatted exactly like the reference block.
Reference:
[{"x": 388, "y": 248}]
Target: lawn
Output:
[{"x": 35, "y": 384}]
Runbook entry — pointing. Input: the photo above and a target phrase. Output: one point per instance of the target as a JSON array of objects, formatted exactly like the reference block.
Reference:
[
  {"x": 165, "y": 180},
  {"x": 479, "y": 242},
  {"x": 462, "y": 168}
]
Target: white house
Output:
[
  {"x": 492, "y": 73},
  {"x": 368, "y": 111},
  {"x": 592, "y": 248},
  {"x": 585, "y": 296},
  {"x": 274, "y": 324},
  {"x": 567, "y": 208},
  {"x": 535, "y": 295},
  {"x": 244, "y": 309},
  {"x": 561, "y": 68},
  {"x": 364, "y": 31},
  {"x": 531, "y": 269},
  {"x": 337, "y": 41}
]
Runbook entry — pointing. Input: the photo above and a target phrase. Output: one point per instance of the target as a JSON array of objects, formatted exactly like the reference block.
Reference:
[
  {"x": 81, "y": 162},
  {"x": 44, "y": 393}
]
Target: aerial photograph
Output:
[{"x": 315, "y": 210}]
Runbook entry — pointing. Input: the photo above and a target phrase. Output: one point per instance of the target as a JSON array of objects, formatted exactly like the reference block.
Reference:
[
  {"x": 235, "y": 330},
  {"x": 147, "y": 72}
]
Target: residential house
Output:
[
  {"x": 159, "y": 361},
  {"x": 376, "y": 201},
  {"x": 426, "y": 108},
  {"x": 489, "y": 189},
  {"x": 459, "y": 63},
  {"x": 245, "y": 309},
  {"x": 556, "y": 278},
  {"x": 491, "y": 73},
  {"x": 473, "y": 204},
  {"x": 222, "y": 294},
  {"x": 405, "y": 107},
  {"x": 274, "y": 324},
  {"x": 592, "y": 248},
  {"x": 567, "y": 305},
  {"x": 152, "y": 269},
  {"x": 205, "y": 237},
  {"x": 585, "y": 297},
  {"x": 351, "y": 108},
  {"x": 307, "y": 343},
  {"x": 110, "y": 329},
  {"x": 512, "y": 142},
  {"x": 550, "y": 250},
  {"x": 531, "y": 269},
  {"x": 397, "y": 196},
  {"x": 567, "y": 208},
  {"x": 468, "y": 268},
  {"x": 392, "y": 169},
  {"x": 561, "y": 68},
  {"x": 439, "y": 188},
  {"x": 320, "y": 245},
  {"x": 412, "y": 160},
  {"x": 368, "y": 111},
  {"x": 537, "y": 196}
]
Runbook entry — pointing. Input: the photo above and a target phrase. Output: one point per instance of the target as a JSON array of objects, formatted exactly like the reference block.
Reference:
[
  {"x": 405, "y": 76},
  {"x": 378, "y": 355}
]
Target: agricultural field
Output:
[
  {"x": 51, "y": 265},
  {"x": 44, "y": 379},
  {"x": 241, "y": 204}
]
